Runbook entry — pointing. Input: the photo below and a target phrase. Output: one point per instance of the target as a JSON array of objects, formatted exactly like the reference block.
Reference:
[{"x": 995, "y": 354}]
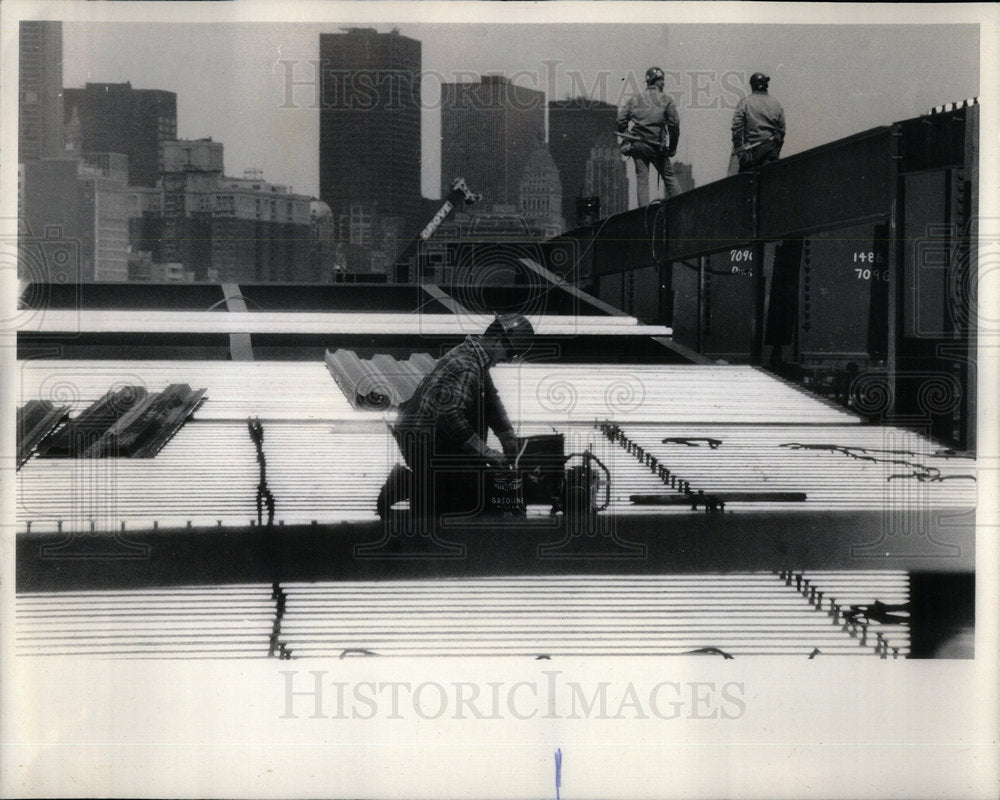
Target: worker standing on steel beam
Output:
[
  {"x": 442, "y": 429},
  {"x": 758, "y": 127},
  {"x": 650, "y": 127}
]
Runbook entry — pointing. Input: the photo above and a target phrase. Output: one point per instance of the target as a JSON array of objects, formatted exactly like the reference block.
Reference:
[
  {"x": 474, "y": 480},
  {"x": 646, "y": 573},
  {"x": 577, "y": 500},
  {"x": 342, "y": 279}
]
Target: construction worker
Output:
[
  {"x": 650, "y": 127},
  {"x": 758, "y": 126},
  {"x": 442, "y": 429}
]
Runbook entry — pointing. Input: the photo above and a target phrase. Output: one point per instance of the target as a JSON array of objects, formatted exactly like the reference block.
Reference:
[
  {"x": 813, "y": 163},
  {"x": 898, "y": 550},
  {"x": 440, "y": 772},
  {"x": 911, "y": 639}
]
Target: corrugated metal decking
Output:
[
  {"x": 326, "y": 460},
  {"x": 738, "y": 615},
  {"x": 531, "y": 392}
]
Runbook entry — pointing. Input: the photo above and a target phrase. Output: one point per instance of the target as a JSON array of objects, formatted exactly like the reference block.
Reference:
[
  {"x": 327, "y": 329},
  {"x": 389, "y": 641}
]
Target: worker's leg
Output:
[
  {"x": 670, "y": 181},
  {"x": 416, "y": 449},
  {"x": 459, "y": 490},
  {"x": 769, "y": 153},
  {"x": 641, "y": 181},
  {"x": 397, "y": 487}
]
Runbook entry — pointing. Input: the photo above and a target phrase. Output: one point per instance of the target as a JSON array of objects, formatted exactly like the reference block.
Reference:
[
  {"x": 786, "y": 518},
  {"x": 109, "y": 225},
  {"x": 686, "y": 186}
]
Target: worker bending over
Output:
[
  {"x": 758, "y": 126},
  {"x": 442, "y": 429},
  {"x": 650, "y": 127}
]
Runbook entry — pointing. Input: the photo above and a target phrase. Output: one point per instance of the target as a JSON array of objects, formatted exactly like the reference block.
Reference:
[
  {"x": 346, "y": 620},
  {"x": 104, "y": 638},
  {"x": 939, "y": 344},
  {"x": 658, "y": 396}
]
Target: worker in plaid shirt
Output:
[{"x": 442, "y": 428}]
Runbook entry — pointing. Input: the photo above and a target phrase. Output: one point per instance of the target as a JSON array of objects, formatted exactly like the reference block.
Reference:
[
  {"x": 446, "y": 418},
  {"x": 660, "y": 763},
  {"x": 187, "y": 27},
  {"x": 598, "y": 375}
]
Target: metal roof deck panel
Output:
[
  {"x": 377, "y": 383},
  {"x": 736, "y": 614},
  {"x": 209, "y": 474},
  {"x": 272, "y": 390},
  {"x": 686, "y": 393},
  {"x": 557, "y": 393},
  {"x": 346, "y": 469},
  {"x": 205, "y": 474},
  {"x": 364, "y": 383},
  {"x": 326, "y": 461},
  {"x": 332, "y": 473},
  {"x": 36, "y": 419},
  {"x": 187, "y": 322},
  {"x": 866, "y": 467},
  {"x": 742, "y": 613}
]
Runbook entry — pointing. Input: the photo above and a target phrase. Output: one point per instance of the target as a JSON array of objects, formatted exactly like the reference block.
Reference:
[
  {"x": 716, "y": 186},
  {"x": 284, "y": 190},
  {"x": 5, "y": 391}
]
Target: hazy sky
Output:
[{"x": 231, "y": 82}]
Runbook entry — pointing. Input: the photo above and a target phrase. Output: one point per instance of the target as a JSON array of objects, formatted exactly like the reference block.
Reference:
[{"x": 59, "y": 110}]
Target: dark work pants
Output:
[
  {"x": 442, "y": 482},
  {"x": 759, "y": 156}
]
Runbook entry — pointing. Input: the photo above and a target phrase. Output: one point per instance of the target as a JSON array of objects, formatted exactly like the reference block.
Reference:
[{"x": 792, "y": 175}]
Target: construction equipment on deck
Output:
[
  {"x": 538, "y": 476},
  {"x": 460, "y": 193}
]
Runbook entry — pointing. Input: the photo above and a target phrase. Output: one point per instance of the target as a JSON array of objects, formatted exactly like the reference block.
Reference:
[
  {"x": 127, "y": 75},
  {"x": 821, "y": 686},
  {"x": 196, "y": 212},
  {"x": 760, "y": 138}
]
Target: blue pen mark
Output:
[{"x": 558, "y": 771}]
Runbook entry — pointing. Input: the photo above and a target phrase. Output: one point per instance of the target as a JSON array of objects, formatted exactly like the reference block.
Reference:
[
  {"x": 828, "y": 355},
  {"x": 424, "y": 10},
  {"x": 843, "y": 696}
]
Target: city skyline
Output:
[{"x": 263, "y": 101}]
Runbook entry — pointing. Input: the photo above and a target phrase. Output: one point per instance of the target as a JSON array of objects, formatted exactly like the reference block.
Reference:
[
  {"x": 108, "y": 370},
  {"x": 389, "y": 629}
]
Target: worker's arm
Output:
[
  {"x": 452, "y": 408},
  {"x": 497, "y": 419},
  {"x": 739, "y": 124},
  {"x": 624, "y": 115},
  {"x": 780, "y": 128},
  {"x": 673, "y": 123}
]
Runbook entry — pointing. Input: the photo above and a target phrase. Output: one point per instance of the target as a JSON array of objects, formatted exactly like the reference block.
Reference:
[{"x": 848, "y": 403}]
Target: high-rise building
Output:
[
  {"x": 606, "y": 177},
  {"x": 488, "y": 131},
  {"x": 369, "y": 128},
  {"x": 81, "y": 200},
  {"x": 576, "y": 126},
  {"x": 261, "y": 232},
  {"x": 40, "y": 107},
  {"x": 228, "y": 229},
  {"x": 115, "y": 118},
  {"x": 189, "y": 179},
  {"x": 541, "y": 193}
]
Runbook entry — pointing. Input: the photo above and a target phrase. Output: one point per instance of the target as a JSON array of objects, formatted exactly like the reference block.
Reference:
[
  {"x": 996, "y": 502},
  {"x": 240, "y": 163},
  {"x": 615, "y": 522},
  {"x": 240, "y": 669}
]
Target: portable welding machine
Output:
[{"x": 540, "y": 476}]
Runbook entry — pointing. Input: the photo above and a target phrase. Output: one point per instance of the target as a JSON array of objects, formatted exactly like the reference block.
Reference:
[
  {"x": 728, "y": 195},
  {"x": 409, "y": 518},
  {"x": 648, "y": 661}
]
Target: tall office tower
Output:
[
  {"x": 488, "y": 131},
  {"x": 115, "y": 118},
  {"x": 40, "y": 109},
  {"x": 369, "y": 124},
  {"x": 605, "y": 177},
  {"x": 575, "y": 126}
]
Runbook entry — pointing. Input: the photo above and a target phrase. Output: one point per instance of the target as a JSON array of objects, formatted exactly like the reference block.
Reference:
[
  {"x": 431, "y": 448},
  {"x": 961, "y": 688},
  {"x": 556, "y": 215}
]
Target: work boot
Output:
[{"x": 395, "y": 489}]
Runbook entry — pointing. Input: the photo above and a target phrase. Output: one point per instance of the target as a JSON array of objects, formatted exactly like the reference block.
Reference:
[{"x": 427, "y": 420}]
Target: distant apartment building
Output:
[
  {"x": 369, "y": 125},
  {"x": 142, "y": 268},
  {"x": 576, "y": 126},
  {"x": 488, "y": 131},
  {"x": 219, "y": 228},
  {"x": 190, "y": 177},
  {"x": 40, "y": 103},
  {"x": 261, "y": 232},
  {"x": 371, "y": 240},
  {"x": 84, "y": 200},
  {"x": 605, "y": 177},
  {"x": 115, "y": 118},
  {"x": 145, "y": 230}
]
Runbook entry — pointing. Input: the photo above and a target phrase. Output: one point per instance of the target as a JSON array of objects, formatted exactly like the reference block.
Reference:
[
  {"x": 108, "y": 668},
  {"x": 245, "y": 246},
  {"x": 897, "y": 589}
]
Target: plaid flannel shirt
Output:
[{"x": 457, "y": 402}]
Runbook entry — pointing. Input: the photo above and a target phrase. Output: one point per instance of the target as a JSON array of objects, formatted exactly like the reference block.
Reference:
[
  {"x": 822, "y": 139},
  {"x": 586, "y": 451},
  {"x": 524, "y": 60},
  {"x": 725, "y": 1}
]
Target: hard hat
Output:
[
  {"x": 515, "y": 330},
  {"x": 653, "y": 74},
  {"x": 759, "y": 80}
]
